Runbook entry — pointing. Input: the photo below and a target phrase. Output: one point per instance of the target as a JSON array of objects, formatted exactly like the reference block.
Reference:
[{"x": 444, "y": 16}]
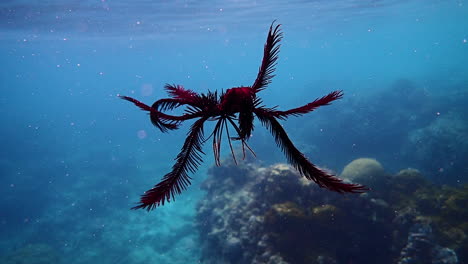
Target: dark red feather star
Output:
[{"x": 239, "y": 104}]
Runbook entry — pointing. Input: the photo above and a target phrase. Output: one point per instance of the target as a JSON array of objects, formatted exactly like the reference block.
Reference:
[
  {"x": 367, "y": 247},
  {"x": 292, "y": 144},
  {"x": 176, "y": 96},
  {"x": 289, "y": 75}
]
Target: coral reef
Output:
[
  {"x": 446, "y": 139},
  {"x": 366, "y": 171},
  {"x": 375, "y": 123},
  {"x": 404, "y": 124},
  {"x": 254, "y": 214},
  {"x": 421, "y": 249}
]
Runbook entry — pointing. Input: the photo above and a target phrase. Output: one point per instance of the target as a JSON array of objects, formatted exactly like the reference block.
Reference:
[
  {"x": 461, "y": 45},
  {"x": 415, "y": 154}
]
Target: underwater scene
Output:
[{"x": 239, "y": 131}]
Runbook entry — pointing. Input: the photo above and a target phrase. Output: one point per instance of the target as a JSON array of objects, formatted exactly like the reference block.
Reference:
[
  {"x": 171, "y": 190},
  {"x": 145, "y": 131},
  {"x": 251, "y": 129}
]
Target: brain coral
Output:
[{"x": 365, "y": 171}]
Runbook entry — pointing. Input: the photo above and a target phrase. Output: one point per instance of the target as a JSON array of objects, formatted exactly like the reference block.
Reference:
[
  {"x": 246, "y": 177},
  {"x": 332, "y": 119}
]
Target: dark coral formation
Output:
[
  {"x": 253, "y": 214},
  {"x": 421, "y": 248},
  {"x": 446, "y": 139},
  {"x": 412, "y": 124}
]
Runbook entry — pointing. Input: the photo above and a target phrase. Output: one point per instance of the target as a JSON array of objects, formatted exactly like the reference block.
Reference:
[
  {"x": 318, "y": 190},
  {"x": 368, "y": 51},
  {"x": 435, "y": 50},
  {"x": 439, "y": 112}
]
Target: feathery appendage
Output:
[
  {"x": 178, "y": 179},
  {"x": 179, "y": 92},
  {"x": 162, "y": 121},
  {"x": 298, "y": 159},
  {"x": 325, "y": 100},
  {"x": 141, "y": 105},
  {"x": 246, "y": 123},
  {"x": 155, "y": 115},
  {"x": 270, "y": 56}
]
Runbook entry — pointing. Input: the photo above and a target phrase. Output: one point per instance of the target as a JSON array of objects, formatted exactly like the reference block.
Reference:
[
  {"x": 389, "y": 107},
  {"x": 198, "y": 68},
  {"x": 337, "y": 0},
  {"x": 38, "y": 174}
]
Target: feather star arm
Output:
[
  {"x": 180, "y": 96},
  {"x": 300, "y": 162},
  {"x": 270, "y": 56},
  {"x": 179, "y": 92},
  {"x": 161, "y": 120},
  {"x": 188, "y": 160},
  {"x": 326, "y": 100}
]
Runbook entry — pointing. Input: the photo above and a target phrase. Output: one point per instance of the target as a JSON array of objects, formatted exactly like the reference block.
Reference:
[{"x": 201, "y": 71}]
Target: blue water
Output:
[{"x": 74, "y": 158}]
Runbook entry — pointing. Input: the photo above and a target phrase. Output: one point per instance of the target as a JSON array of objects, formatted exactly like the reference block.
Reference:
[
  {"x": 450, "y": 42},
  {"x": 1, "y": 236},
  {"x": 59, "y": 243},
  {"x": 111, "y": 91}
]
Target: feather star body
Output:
[{"x": 239, "y": 104}]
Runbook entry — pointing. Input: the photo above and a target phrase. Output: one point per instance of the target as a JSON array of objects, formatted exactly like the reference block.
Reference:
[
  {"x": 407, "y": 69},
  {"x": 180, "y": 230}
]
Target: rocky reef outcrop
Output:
[
  {"x": 422, "y": 249},
  {"x": 254, "y": 214}
]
